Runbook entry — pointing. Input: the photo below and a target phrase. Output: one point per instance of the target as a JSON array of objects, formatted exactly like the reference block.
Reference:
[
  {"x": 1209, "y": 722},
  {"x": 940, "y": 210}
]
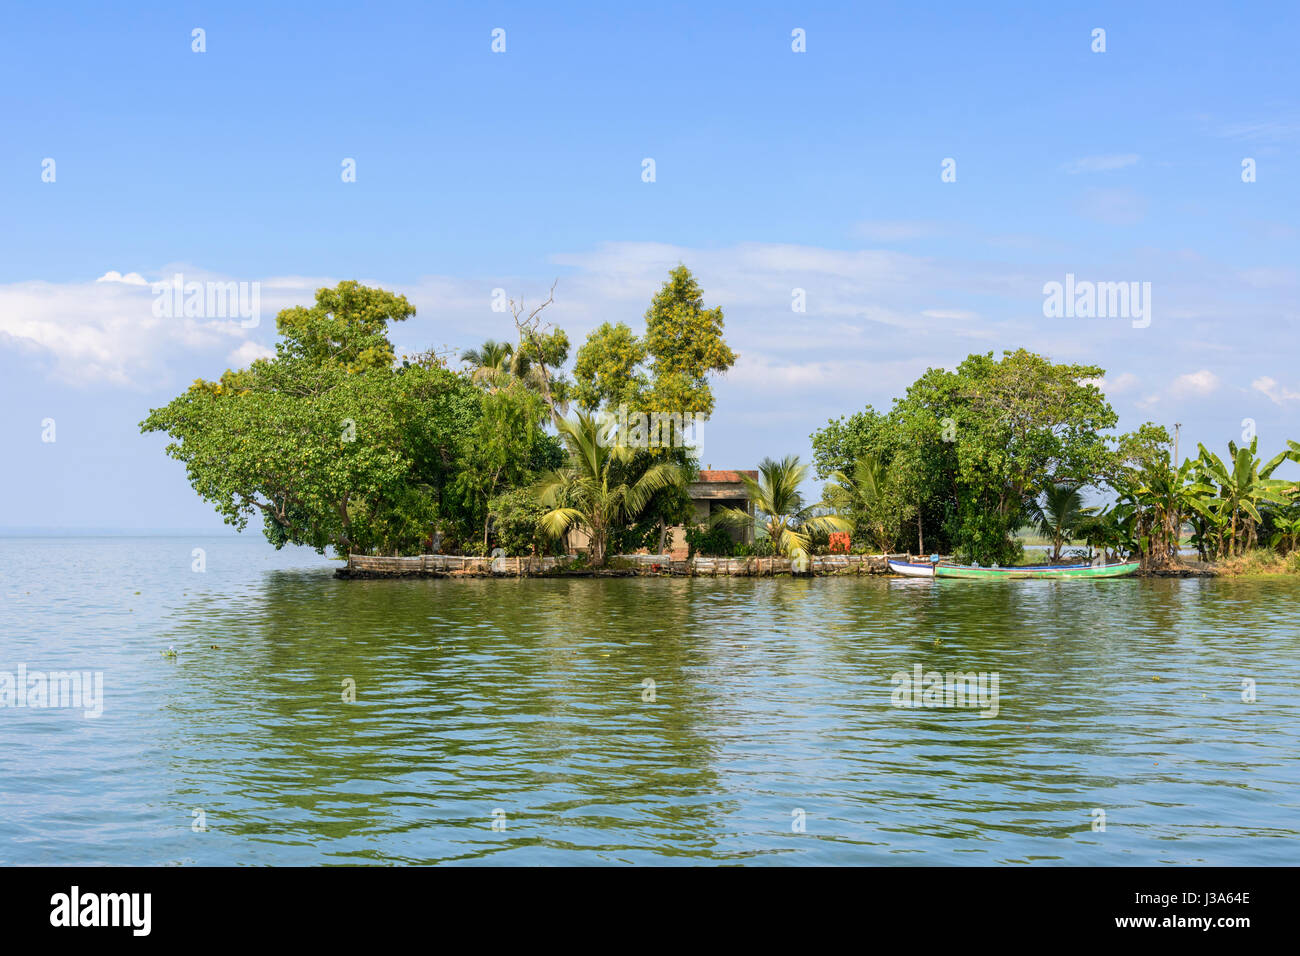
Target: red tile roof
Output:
[{"x": 732, "y": 476}]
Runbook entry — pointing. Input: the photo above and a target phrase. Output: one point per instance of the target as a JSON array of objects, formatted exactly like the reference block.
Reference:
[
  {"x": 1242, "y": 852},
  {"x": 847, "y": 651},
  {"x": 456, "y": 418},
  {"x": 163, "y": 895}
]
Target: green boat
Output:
[{"x": 1054, "y": 572}]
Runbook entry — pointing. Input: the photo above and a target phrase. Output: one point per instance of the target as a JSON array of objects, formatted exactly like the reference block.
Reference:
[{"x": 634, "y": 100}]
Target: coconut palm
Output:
[
  {"x": 596, "y": 490},
  {"x": 866, "y": 500},
  {"x": 496, "y": 365},
  {"x": 1059, "y": 515},
  {"x": 1106, "y": 530},
  {"x": 776, "y": 498},
  {"x": 490, "y": 363}
]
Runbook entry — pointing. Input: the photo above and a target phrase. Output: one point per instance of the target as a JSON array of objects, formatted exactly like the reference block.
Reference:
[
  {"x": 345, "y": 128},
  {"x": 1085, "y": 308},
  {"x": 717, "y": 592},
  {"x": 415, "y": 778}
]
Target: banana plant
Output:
[
  {"x": 1241, "y": 488},
  {"x": 1287, "y": 536},
  {"x": 1168, "y": 495}
]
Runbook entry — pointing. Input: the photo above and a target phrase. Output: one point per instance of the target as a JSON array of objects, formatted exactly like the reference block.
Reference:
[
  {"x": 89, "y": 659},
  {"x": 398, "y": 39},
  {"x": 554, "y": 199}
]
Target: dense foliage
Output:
[
  {"x": 967, "y": 458},
  {"x": 335, "y": 442}
]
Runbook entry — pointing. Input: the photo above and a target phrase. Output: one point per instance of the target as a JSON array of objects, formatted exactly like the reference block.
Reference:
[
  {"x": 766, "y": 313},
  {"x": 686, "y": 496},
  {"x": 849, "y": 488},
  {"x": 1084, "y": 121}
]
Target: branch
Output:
[{"x": 528, "y": 328}]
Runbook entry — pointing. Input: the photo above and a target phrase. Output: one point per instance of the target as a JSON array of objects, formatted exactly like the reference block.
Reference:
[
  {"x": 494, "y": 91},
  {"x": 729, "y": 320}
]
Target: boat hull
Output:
[
  {"x": 1079, "y": 571},
  {"x": 910, "y": 570}
]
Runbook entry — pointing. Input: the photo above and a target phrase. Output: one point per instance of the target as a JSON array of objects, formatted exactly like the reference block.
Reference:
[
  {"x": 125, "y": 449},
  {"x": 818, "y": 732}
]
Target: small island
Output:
[{"x": 505, "y": 461}]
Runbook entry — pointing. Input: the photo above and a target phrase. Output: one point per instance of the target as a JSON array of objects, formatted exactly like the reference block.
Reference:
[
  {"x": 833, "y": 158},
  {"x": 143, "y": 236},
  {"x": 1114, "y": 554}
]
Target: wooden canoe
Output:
[{"x": 1054, "y": 572}]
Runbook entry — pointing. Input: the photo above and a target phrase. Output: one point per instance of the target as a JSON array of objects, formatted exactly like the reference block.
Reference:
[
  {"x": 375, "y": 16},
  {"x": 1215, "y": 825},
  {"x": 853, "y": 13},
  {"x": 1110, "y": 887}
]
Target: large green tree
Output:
[
  {"x": 666, "y": 370},
  {"x": 686, "y": 344},
  {"x": 968, "y": 447},
  {"x": 608, "y": 371},
  {"x": 330, "y": 441}
]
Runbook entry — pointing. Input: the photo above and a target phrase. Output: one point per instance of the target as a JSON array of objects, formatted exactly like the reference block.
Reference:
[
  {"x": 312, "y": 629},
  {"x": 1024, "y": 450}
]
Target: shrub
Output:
[
  {"x": 714, "y": 542},
  {"x": 515, "y": 517},
  {"x": 762, "y": 548}
]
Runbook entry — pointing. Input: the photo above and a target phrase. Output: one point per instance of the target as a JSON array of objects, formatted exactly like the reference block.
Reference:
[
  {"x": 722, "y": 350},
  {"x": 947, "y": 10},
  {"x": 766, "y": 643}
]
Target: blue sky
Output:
[{"x": 775, "y": 170}]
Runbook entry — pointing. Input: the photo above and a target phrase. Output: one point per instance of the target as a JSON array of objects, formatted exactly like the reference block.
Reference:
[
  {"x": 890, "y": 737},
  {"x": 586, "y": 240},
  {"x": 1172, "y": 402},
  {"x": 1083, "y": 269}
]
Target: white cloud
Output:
[
  {"x": 1268, "y": 278},
  {"x": 1277, "y": 130},
  {"x": 875, "y": 319},
  {"x": 955, "y": 314},
  {"x": 248, "y": 353},
  {"x": 1101, "y": 164},
  {"x": 1117, "y": 385},
  {"x": 1114, "y": 207},
  {"x": 1271, "y": 388},
  {"x": 105, "y": 330},
  {"x": 1199, "y": 383},
  {"x": 1188, "y": 387},
  {"x": 131, "y": 278}
]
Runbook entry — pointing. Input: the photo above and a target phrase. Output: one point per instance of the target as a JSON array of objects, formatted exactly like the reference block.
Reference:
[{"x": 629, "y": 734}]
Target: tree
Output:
[
  {"x": 328, "y": 441},
  {"x": 516, "y": 522},
  {"x": 595, "y": 491},
  {"x": 1154, "y": 501},
  {"x": 490, "y": 363},
  {"x": 1106, "y": 529},
  {"x": 542, "y": 349},
  {"x": 608, "y": 371},
  {"x": 869, "y": 498},
  {"x": 1287, "y": 536},
  {"x": 1241, "y": 489},
  {"x": 843, "y": 442},
  {"x": 668, "y": 369},
  {"x": 1058, "y": 516},
  {"x": 966, "y": 448},
  {"x": 499, "y": 447},
  {"x": 788, "y": 522},
  {"x": 347, "y": 328},
  {"x": 685, "y": 342}
]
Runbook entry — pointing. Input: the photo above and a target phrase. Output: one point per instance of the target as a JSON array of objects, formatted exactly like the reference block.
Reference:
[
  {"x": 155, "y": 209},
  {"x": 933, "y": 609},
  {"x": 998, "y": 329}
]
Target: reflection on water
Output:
[{"x": 770, "y": 696}]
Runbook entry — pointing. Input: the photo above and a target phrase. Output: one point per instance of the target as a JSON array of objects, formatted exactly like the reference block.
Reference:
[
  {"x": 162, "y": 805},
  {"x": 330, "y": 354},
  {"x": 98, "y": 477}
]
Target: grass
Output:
[{"x": 1261, "y": 561}]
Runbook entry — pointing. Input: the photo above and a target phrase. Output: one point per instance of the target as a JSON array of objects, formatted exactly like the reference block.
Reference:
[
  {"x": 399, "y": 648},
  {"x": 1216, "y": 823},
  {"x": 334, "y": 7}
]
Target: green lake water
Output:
[{"x": 522, "y": 705}]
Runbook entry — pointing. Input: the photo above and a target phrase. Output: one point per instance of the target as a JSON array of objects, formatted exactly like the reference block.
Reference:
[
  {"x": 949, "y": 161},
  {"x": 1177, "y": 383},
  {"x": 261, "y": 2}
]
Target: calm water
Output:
[{"x": 771, "y": 696}]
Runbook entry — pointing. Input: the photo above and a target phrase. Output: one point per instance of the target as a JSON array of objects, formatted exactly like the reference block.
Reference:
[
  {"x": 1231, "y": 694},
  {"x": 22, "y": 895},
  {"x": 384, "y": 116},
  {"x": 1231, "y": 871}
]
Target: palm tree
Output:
[
  {"x": 865, "y": 500},
  {"x": 490, "y": 362},
  {"x": 1242, "y": 488},
  {"x": 496, "y": 365},
  {"x": 1058, "y": 517},
  {"x": 1106, "y": 530},
  {"x": 775, "y": 496},
  {"x": 595, "y": 491}
]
